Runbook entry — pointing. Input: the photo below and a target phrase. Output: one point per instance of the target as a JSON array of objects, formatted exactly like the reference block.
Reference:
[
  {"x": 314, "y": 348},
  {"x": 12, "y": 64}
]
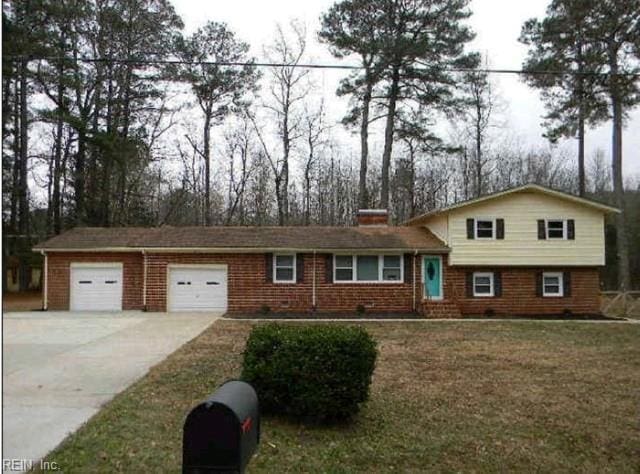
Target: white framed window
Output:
[
  {"x": 343, "y": 268},
  {"x": 485, "y": 228},
  {"x": 552, "y": 284},
  {"x": 556, "y": 228},
  {"x": 368, "y": 268},
  {"x": 392, "y": 268},
  {"x": 284, "y": 268},
  {"x": 483, "y": 284}
]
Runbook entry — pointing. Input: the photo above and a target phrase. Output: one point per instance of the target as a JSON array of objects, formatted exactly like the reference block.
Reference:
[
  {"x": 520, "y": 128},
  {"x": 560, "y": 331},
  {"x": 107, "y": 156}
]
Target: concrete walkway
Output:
[{"x": 60, "y": 367}]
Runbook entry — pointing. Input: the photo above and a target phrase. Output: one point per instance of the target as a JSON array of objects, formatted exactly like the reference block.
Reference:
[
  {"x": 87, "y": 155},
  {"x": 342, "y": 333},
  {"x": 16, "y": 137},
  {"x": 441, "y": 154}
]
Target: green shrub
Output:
[
  {"x": 360, "y": 309},
  {"x": 315, "y": 373},
  {"x": 265, "y": 309}
]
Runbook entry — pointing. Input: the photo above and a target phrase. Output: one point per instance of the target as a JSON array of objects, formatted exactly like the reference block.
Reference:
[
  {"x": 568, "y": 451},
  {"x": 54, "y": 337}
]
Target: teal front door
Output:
[{"x": 432, "y": 277}]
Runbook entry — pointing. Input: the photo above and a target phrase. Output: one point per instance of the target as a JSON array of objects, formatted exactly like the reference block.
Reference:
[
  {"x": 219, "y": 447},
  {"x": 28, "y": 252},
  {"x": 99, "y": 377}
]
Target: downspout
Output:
[
  {"x": 44, "y": 280},
  {"x": 144, "y": 280},
  {"x": 313, "y": 283},
  {"x": 415, "y": 254}
]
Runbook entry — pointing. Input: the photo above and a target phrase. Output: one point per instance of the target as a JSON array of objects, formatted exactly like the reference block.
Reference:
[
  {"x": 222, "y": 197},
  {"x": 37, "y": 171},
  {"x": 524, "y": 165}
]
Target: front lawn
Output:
[{"x": 446, "y": 396}]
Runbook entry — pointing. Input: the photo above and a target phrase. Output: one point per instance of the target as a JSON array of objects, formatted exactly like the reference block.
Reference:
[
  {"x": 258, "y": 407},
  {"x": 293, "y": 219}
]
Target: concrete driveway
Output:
[{"x": 60, "y": 367}]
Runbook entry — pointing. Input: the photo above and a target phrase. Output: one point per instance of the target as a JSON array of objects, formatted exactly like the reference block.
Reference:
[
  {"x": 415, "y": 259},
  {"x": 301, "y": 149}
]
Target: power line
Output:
[{"x": 307, "y": 65}]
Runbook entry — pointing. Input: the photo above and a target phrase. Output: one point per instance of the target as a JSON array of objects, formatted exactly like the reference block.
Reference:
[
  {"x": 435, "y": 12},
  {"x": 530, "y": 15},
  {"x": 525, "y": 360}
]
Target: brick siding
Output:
[
  {"x": 248, "y": 290},
  {"x": 519, "y": 292},
  {"x": 59, "y": 266}
]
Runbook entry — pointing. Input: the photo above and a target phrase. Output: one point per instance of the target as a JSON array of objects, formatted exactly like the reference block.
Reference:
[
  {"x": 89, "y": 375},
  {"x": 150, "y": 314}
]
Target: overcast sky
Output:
[{"x": 496, "y": 22}]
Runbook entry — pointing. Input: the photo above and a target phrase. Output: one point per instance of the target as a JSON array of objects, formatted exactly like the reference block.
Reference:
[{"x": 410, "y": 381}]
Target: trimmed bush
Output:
[{"x": 315, "y": 373}]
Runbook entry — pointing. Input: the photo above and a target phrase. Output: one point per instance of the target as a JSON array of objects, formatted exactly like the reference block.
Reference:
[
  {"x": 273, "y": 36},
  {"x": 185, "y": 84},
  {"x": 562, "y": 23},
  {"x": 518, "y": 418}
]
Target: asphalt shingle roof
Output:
[{"x": 221, "y": 237}]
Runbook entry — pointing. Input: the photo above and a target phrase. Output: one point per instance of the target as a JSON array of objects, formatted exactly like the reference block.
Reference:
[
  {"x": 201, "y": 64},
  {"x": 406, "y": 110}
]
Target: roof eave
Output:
[{"x": 242, "y": 249}]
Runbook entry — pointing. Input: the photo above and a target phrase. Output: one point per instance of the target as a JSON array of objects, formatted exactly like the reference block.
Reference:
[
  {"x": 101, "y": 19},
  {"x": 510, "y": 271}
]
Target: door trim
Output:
[
  {"x": 422, "y": 268},
  {"x": 178, "y": 266}
]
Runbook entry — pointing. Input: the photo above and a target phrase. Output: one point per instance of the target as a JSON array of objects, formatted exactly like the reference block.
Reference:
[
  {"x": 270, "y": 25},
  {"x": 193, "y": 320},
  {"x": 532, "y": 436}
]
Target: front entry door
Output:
[{"x": 432, "y": 277}]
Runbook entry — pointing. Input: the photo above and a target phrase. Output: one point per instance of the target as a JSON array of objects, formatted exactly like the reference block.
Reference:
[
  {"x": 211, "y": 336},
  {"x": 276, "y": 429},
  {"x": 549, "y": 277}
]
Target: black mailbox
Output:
[{"x": 222, "y": 433}]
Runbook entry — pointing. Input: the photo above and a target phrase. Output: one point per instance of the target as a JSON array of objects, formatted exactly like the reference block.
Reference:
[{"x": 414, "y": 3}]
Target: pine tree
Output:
[{"x": 560, "y": 42}]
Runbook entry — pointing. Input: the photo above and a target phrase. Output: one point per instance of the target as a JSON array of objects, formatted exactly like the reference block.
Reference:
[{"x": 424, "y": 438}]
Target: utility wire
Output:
[{"x": 307, "y": 65}]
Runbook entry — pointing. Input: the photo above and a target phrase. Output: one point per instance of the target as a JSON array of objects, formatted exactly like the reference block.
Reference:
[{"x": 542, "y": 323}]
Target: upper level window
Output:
[
  {"x": 483, "y": 284},
  {"x": 552, "y": 284},
  {"x": 485, "y": 229},
  {"x": 368, "y": 268},
  {"x": 556, "y": 229},
  {"x": 284, "y": 268}
]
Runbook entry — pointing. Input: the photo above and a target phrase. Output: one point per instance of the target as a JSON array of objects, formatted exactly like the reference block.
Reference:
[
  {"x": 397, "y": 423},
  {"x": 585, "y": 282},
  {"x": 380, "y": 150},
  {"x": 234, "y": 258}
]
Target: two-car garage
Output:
[{"x": 99, "y": 287}]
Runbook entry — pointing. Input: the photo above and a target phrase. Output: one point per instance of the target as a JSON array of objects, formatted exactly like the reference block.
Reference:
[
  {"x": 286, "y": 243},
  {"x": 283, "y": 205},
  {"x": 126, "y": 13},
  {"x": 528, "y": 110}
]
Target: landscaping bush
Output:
[{"x": 315, "y": 373}]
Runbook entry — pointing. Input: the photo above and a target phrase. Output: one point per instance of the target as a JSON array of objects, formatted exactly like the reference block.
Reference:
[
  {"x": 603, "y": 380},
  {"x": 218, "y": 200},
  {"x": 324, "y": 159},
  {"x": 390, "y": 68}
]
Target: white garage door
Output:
[
  {"x": 96, "y": 288},
  {"x": 197, "y": 289}
]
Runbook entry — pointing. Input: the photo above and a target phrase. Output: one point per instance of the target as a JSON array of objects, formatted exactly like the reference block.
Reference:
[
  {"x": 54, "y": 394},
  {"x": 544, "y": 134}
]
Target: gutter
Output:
[
  {"x": 144, "y": 280},
  {"x": 415, "y": 255},
  {"x": 313, "y": 284},
  {"x": 45, "y": 280}
]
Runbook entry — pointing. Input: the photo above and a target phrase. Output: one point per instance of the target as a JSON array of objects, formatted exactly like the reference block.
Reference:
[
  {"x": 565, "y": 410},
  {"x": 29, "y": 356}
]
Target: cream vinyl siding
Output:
[
  {"x": 438, "y": 225},
  {"x": 521, "y": 246}
]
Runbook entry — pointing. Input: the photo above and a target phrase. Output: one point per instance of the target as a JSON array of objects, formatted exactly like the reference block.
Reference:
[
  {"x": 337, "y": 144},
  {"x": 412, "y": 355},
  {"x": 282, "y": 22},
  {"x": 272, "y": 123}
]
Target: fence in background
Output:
[{"x": 620, "y": 303}]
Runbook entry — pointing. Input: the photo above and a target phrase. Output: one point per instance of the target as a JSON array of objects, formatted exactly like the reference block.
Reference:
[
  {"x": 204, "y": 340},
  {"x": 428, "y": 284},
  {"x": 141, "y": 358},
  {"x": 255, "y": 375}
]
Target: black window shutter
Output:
[
  {"x": 408, "y": 268},
  {"x": 542, "y": 234},
  {"x": 300, "y": 268},
  {"x": 499, "y": 228},
  {"x": 469, "y": 284},
  {"x": 539, "y": 283},
  {"x": 571, "y": 229},
  {"x": 470, "y": 233},
  {"x": 268, "y": 267},
  {"x": 328, "y": 267},
  {"x": 566, "y": 284},
  {"x": 497, "y": 284}
]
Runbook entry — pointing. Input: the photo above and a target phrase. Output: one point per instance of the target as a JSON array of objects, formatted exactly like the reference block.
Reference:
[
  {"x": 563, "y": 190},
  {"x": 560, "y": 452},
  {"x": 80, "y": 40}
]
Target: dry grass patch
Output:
[{"x": 450, "y": 396}]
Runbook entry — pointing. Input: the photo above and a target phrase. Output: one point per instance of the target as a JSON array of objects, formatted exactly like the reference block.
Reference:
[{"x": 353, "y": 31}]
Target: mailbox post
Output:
[{"x": 222, "y": 433}]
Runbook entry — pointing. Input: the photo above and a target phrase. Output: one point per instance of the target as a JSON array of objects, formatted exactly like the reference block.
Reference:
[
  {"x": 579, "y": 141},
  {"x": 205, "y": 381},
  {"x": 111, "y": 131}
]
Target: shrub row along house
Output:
[{"x": 527, "y": 250}]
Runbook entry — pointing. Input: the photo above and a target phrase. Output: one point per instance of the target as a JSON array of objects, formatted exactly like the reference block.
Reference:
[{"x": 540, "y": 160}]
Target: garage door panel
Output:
[
  {"x": 96, "y": 288},
  {"x": 197, "y": 289}
]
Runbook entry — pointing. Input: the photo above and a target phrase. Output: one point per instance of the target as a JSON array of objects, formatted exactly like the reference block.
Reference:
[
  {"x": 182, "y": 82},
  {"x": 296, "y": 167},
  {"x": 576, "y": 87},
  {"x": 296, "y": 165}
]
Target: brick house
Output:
[{"x": 527, "y": 250}]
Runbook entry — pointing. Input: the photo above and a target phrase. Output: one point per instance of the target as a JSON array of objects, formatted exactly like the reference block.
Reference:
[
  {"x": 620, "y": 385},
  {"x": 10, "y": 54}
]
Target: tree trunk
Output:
[
  {"x": 207, "y": 168},
  {"x": 23, "y": 186},
  {"x": 79, "y": 178},
  {"x": 581, "y": 172},
  {"x": 363, "y": 195},
  {"x": 581, "y": 120},
  {"x": 55, "y": 196},
  {"x": 478, "y": 148},
  {"x": 15, "y": 178},
  {"x": 283, "y": 214},
  {"x": 23, "y": 195},
  {"x": 388, "y": 136},
  {"x": 622, "y": 244}
]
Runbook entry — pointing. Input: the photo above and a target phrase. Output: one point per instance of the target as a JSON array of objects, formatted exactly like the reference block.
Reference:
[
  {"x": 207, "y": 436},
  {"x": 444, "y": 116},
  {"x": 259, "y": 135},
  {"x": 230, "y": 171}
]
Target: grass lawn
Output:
[{"x": 446, "y": 396}]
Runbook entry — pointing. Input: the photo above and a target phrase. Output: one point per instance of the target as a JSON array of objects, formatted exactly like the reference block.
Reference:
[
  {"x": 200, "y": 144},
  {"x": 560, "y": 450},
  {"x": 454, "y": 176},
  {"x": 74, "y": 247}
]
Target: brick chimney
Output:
[{"x": 373, "y": 217}]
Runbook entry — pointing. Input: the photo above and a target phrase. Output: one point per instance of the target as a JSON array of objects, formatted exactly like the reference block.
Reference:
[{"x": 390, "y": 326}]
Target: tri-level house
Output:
[{"x": 528, "y": 250}]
